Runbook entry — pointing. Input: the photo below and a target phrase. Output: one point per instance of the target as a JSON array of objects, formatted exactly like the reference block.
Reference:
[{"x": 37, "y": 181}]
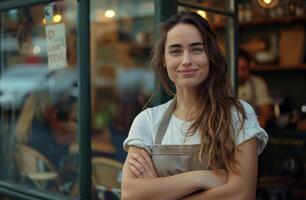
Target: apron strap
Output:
[{"x": 165, "y": 122}]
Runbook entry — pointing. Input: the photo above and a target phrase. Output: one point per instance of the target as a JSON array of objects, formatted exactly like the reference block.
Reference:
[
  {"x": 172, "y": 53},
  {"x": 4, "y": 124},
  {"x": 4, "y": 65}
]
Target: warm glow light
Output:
[
  {"x": 36, "y": 49},
  {"x": 110, "y": 14},
  {"x": 57, "y": 18},
  {"x": 267, "y": 1},
  {"x": 202, "y": 13}
]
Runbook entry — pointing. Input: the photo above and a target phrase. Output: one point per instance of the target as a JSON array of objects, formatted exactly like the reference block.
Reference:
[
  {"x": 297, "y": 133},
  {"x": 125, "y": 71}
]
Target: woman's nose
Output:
[{"x": 186, "y": 59}]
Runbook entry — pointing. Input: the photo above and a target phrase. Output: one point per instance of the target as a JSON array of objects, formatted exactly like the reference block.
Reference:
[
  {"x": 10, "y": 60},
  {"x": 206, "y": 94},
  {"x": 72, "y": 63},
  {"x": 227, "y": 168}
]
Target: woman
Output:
[{"x": 202, "y": 144}]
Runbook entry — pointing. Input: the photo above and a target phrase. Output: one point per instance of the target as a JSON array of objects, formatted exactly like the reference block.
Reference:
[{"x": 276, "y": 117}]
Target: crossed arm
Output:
[{"x": 140, "y": 180}]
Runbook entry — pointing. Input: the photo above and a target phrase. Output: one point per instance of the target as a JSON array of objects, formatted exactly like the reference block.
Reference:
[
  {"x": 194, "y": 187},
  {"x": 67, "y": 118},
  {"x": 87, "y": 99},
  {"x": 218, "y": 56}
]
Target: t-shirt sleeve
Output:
[
  {"x": 140, "y": 133},
  {"x": 250, "y": 129}
]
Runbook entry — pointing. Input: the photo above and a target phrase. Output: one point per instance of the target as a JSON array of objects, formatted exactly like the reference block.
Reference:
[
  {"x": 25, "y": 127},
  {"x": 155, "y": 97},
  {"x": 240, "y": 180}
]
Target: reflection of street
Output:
[{"x": 20, "y": 81}]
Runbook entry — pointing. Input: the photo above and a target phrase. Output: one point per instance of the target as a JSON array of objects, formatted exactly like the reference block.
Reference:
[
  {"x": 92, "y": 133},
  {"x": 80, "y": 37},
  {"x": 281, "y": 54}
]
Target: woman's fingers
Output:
[
  {"x": 147, "y": 158},
  {"x": 149, "y": 162},
  {"x": 134, "y": 162},
  {"x": 144, "y": 164},
  {"x": 135, "y": 171},
  {"x": 141, "y": 160}
]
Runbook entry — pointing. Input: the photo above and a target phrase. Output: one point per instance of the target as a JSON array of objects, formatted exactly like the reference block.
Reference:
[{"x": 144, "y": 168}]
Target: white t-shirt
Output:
[{"x": 144, "y": 128}]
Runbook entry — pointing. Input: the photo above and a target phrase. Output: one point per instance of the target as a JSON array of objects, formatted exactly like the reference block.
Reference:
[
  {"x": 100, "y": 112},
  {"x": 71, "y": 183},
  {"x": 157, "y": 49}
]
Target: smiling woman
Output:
[{"x": 202, "y": 144}]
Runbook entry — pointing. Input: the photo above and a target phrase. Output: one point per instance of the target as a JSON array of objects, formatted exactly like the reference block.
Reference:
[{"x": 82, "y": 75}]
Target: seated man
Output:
[{"x": 253, "y": 89}]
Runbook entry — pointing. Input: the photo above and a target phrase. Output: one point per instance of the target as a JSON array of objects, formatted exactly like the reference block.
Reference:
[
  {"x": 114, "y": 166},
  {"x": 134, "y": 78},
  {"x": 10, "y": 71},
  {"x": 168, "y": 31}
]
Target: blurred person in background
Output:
[
  {"x": 253, "y": 89},
  {"x": 49, "y": 129}
]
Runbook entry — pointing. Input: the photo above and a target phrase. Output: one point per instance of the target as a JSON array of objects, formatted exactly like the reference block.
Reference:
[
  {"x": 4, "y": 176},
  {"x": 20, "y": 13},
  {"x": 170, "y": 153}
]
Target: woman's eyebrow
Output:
[
  {"x": 191, "y": 45},
  {"x": 196, "y": 44},
  {"x": 174, "y": 46}
]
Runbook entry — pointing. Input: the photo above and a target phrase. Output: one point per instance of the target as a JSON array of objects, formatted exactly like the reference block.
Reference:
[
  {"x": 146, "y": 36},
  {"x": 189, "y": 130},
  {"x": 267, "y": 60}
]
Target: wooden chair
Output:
[
  {"x": 106, "y": 176},
  {"x": 35, "y": 166}
]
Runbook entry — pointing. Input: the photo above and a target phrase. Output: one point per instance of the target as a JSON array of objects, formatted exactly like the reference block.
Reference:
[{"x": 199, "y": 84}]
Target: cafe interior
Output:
[{"x": 40, "y": 96}]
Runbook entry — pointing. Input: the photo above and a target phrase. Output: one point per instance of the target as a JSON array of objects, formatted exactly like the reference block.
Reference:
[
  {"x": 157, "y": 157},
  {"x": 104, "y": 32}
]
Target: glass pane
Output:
[
  {"x": 216, "y": 4},
  {"x": 38, "y": 98},
  {"x": 122, "y": 34}
]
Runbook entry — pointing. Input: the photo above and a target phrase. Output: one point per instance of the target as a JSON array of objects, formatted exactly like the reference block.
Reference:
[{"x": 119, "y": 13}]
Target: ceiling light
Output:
[
  {"x": 110, "y": 14},
  {"x": 267, "y": 3},
  {"x": 57, "y": 18}
]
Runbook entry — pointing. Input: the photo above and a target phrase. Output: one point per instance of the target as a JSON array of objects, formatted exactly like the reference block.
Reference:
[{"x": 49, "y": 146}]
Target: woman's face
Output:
[{"x": 185, "y": 58}]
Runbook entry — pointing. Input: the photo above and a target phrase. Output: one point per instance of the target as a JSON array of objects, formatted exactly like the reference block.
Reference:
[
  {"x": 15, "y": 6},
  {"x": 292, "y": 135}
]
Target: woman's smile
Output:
[{"x": 187, "y": 72}]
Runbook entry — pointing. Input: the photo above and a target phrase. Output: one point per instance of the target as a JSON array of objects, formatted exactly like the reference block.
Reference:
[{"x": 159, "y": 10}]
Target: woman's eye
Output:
[
  {"x": 175, "y": 52},
  {"x": 197, "y": 50}
]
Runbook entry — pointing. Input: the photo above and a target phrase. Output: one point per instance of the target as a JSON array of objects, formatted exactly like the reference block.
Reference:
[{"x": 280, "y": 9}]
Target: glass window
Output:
[
  {"x": 38, "y": 97},
  {"x": 122, "y": 34}
]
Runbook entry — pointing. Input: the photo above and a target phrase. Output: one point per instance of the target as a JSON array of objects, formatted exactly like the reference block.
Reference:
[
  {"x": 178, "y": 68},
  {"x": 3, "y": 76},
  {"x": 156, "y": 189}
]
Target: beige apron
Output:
[{"x": 173, "y": 159}]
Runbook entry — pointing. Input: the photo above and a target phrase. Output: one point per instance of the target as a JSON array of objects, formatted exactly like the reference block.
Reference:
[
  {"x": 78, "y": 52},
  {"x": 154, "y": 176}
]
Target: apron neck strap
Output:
[{"x": 165, "y": 122}]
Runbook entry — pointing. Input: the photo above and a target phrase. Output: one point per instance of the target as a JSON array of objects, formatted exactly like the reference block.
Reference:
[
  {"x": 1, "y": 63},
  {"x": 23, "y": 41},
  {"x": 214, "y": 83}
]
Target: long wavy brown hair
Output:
[{"x": 214, "y": 100}]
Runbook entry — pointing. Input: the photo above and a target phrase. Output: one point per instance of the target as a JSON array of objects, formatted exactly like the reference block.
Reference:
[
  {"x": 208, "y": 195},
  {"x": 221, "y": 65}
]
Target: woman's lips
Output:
[{"x": 187, "y": 71}]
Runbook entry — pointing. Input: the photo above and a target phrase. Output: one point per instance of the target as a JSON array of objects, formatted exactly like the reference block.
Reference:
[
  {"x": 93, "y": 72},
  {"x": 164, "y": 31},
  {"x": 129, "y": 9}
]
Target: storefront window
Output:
[
  {"x": 39, "y": 94},
  {"x": 122, "y": 37},
  {"x": 38, "y": 97}
]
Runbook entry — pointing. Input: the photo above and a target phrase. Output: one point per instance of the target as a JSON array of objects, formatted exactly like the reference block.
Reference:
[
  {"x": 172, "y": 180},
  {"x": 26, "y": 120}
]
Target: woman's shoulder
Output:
[
  {"x": 249, "y": 114},
  {"x": 248, "y": 109},
  {"x": 155, "y": 112}
]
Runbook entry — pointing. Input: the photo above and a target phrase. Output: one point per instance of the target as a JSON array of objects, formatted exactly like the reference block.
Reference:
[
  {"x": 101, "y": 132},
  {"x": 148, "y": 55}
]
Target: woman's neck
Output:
[{"x": 185, "y": 104}]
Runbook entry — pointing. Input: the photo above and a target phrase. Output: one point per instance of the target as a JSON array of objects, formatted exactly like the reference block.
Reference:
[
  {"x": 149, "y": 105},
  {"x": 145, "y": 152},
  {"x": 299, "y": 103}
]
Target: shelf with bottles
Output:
[
  {"x": 261, "y": 13},
  {"x": 260, "y": 22},
  {"x": 278, "y": 67},
  {"x": 273, "y": 21}
]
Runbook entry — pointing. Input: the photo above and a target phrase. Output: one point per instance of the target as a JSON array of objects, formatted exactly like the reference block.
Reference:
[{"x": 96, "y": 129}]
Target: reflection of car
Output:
[{"x": 18, "y": 82}]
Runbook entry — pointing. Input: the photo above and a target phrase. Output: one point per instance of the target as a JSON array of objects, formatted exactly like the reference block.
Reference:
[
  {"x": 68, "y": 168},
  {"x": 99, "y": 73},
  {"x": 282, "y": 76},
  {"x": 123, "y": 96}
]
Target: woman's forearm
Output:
[
  {"x": 166, "y": 188},
  {"x": 173, "y": 187},
  {"x": 224, "y": 192},
  {"x": 241, "y": 185}
]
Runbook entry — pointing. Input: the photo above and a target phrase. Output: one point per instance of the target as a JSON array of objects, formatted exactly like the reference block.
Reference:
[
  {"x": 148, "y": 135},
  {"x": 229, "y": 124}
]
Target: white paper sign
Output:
[{"x": 56, "y": 46}]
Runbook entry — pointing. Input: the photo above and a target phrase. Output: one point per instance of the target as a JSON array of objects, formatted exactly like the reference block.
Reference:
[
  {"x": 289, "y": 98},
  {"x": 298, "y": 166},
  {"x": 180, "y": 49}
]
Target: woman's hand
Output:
[{"x": 141, "y": 165}]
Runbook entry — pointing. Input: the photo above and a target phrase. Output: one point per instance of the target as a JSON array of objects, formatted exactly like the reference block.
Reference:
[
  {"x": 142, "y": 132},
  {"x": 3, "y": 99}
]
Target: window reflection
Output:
[
  {"x": 122, "y": 82},
  {"x": 38, "y": 104}
]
